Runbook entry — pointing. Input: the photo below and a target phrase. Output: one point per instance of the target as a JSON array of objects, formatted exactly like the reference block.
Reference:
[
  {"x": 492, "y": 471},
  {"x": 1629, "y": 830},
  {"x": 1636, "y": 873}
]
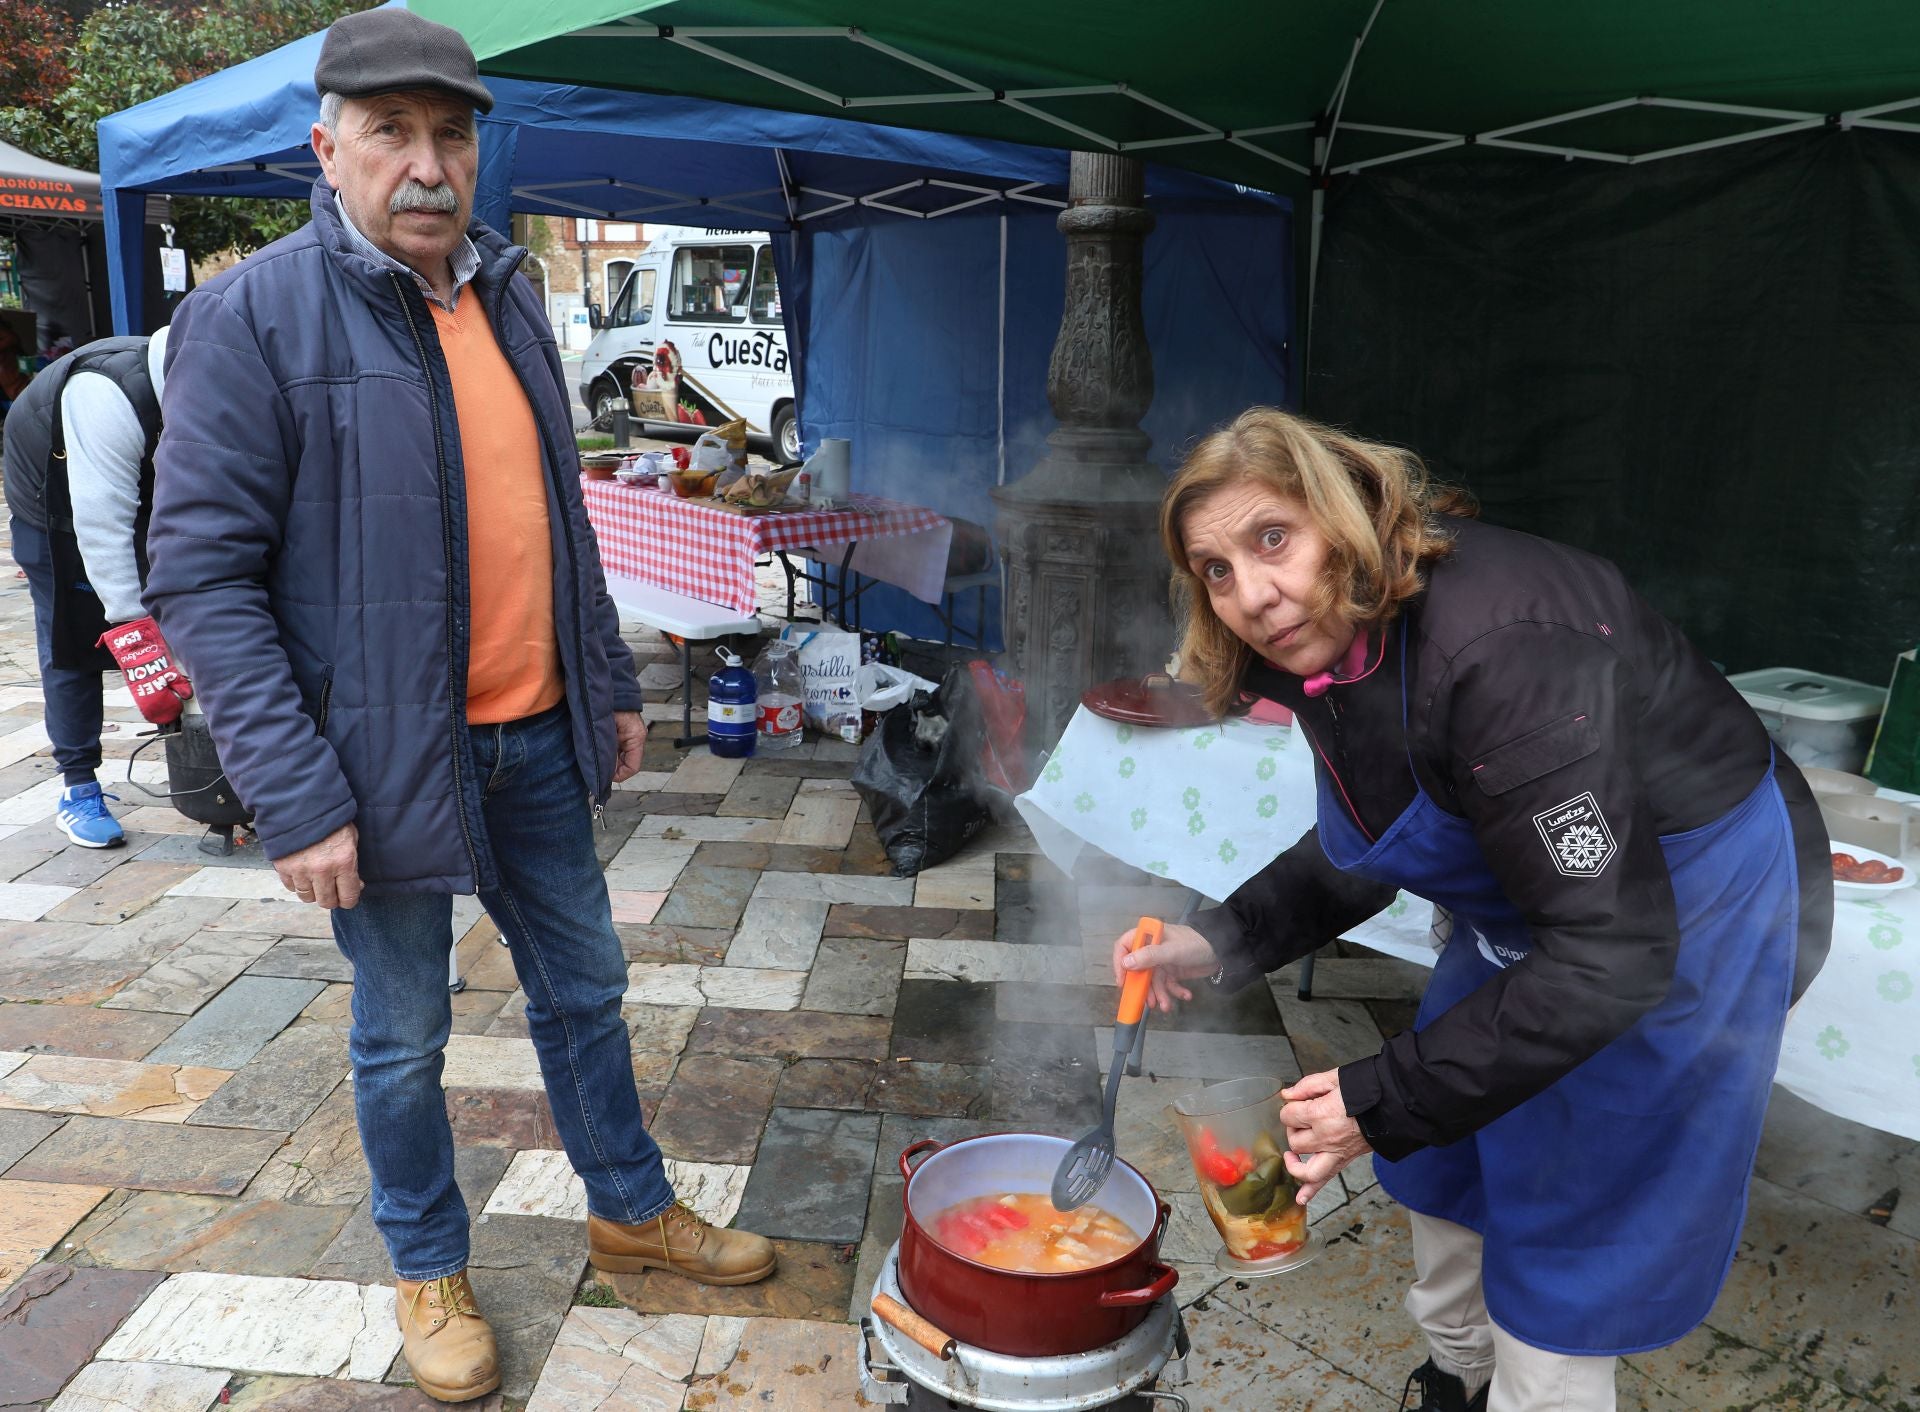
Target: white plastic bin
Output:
[{"x": 1818, "y": 720}]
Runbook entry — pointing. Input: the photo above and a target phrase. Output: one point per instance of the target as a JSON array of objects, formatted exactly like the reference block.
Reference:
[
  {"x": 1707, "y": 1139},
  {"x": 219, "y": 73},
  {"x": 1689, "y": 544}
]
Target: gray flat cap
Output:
[{"x": 391, "y": 50}]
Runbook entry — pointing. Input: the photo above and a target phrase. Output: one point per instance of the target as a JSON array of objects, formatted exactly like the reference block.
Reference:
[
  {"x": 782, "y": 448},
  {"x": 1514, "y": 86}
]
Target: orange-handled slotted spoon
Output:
[{"x": 1083, "y": 1171}]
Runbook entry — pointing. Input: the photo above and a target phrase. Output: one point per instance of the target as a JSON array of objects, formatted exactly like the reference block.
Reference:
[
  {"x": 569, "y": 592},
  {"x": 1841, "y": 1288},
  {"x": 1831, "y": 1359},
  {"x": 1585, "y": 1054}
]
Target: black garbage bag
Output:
[{"x": 919, "y": 773}]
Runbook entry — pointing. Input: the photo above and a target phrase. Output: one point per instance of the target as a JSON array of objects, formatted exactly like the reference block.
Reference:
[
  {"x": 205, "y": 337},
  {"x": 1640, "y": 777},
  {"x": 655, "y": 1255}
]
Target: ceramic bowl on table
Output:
[{"x": 691, "y": 485}]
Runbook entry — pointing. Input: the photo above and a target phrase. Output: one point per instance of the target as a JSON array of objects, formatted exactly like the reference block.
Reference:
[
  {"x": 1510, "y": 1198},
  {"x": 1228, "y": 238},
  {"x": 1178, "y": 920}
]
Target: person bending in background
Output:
[{"x": 79, "y": 485}]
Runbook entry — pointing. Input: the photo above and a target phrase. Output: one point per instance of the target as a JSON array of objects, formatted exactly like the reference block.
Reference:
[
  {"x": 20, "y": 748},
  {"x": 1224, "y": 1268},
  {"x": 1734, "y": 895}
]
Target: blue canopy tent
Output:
[{"x": 922, "y": 276}]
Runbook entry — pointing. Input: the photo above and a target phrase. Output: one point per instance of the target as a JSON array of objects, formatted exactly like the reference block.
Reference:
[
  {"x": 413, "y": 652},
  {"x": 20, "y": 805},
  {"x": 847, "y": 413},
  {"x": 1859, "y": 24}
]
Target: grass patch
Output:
[
  {"x": 596, "y": 1296},
  {"x": 594, "y": 443}
]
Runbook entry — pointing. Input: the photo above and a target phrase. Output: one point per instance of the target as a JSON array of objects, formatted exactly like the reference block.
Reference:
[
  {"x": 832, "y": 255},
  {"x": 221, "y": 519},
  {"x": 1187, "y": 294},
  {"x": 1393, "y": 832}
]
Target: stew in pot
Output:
[{"x": 1021, "y": 1231}]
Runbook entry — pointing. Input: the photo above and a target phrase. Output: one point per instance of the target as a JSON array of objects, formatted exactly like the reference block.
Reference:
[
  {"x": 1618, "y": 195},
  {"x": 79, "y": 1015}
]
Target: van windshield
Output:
[
  {"x": 635, "y": 303},
  {"x": 709, "y": 280}
]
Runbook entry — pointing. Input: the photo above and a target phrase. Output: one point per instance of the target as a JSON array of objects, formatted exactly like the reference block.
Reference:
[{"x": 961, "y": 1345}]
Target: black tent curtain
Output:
[{"x": 1701, "y": 368}]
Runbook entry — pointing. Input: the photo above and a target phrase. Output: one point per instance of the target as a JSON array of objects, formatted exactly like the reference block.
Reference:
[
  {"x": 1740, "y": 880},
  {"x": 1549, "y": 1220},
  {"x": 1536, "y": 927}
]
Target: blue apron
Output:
[{"x": 1611, "y": 1203}]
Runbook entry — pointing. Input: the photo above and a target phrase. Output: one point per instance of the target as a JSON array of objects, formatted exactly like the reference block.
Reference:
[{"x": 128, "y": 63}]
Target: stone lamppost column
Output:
[{"x": 1086, "y": 580}]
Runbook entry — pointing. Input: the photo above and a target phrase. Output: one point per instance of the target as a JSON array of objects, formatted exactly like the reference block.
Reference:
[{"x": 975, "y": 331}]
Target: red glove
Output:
[{"x": 153, "y": 675}]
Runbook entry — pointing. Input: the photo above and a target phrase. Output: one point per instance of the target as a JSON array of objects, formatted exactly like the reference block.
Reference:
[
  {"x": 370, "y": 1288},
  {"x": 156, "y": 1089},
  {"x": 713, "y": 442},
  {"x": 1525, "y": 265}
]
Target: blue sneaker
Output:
[{"x": 83, "y": 817}]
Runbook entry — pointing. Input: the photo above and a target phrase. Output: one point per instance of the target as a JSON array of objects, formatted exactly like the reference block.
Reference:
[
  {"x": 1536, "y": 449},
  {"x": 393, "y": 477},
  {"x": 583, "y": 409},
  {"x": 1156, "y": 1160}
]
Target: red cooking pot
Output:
[{"x": 1023, "y": 1315}]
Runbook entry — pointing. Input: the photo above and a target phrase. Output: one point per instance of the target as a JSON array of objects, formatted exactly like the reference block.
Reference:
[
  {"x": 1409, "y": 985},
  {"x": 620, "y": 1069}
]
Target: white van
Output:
[{"x": 712, "y": 295}]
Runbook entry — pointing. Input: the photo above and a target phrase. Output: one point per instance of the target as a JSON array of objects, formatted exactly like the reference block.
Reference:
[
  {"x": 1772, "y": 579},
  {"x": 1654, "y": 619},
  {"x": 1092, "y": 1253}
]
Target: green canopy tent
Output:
[
  {"x": 1644, "y": 274},
  {"x": 1279, "y": 96}
]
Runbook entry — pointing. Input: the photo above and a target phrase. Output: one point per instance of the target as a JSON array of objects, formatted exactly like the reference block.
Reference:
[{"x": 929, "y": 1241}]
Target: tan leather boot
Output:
[
  {"x": 448, "y": 1345},
  {"x": 678, "y": 1240}
]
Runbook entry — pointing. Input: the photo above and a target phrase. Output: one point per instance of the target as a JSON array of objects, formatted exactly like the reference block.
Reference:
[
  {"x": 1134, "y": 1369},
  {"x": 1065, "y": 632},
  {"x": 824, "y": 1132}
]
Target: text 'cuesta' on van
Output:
[{"x": 713, "y": 297}]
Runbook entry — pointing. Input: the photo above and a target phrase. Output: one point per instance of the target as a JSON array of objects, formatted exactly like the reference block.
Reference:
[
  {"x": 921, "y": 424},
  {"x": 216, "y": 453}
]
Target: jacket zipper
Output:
[
  {"x": 446, "y": 532},
  {"x": 326, "y": 701},
  {"x": 566, "y": 528}
]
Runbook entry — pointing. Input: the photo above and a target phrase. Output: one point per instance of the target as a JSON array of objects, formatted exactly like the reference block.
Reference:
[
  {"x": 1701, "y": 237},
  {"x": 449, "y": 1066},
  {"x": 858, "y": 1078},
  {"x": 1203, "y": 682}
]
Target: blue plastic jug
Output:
[{"x": 732, "y": 714}]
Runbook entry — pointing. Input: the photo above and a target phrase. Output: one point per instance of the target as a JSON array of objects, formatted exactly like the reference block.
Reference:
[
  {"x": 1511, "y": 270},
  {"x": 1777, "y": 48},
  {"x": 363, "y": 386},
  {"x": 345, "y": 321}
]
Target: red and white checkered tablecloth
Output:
[{"x": 708, "y": 553}]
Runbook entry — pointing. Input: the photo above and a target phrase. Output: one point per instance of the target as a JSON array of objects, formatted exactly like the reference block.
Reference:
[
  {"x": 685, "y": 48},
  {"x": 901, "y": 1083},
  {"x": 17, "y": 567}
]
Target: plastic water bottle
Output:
[
  {"x": 776, "y": 677},
  {"x": 732, "y": 710}
]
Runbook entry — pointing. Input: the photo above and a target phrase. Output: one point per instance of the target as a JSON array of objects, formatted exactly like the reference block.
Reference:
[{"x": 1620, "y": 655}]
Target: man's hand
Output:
[
  {"x": 1323, "y": 1138},
  {"x": 1182, "y": 955},
  {"x": 630, "y": 731},
  {"x": 327, "y": 872}
]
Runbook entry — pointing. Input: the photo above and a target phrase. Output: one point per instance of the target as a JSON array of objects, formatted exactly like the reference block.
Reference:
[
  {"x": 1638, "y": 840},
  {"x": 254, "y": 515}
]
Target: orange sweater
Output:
[{"x": 513, "y": 661}]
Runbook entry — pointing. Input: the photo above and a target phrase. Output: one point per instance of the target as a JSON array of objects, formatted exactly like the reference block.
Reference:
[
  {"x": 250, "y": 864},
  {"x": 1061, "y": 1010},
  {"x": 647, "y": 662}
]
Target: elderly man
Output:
[{"x": 369, "y": 544}]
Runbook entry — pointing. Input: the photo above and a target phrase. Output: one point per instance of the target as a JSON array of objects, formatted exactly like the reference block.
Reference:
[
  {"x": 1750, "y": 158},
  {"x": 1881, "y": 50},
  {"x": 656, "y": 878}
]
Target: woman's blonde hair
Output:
[{"x": 1373, "y": 503}]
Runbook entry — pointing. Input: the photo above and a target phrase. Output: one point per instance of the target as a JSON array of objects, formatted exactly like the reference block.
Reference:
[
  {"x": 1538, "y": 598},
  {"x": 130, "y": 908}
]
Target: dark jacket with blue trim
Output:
[
  {"x": 1534, "y": 677},
  {"x": 308, "y": 551}
]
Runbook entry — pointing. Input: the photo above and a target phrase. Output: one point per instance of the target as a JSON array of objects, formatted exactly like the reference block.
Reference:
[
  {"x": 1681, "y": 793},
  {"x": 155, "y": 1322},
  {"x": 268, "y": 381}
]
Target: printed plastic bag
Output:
[
  {"x": 878, "y": 687},
  {"x": 710, "y": 453},
  {"x": 828, "y": 661},
  {"x": 919, "y": 776}
]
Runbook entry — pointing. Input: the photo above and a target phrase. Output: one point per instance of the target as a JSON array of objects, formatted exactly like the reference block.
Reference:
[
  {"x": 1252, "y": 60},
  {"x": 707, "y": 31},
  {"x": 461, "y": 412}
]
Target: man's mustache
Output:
[{"x": 418, "y": 196}]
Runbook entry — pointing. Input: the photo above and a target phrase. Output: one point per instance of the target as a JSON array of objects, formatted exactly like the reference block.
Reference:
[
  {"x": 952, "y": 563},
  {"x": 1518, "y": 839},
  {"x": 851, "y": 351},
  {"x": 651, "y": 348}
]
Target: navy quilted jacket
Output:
[{"x": 308, "y": 551}]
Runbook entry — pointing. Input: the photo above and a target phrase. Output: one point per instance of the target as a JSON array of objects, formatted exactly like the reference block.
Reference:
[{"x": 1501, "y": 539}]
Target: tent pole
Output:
[
  {"x": 1317, "y": 202},
  {"x": 1000, "y": 388}
]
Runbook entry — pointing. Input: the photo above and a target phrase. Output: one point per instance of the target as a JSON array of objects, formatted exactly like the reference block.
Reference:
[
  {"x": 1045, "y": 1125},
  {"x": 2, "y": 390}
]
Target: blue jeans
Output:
[
  {"x": 552, "y": 908},
  {"x": 73, "y": 704}
]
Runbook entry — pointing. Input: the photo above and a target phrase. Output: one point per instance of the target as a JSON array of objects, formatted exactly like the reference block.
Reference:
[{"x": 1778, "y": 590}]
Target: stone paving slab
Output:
[
  {"x": 157, "y": 1230},
  {"x": 282, "y": 1088},
  {"x": 122, "y": 893},
  {"x": 20, "y": 1133},
  {"x": 193, "y": 973},
  {"x": 803, "y": 1034},
  {"x": 812, "y": 1281},
  {"x": 791, "y": 1364},
  {"x": 237, "y": 1023},
  {"x": 811, "y": 1177},
  {"x": 34, "y": 1216},
  {"x": 621, "y": 1361},
  {"x": 852, "y": 976},
  {"x": 151, "y": 1387},
  {"x": 715, "y": 1108},
  {"x": 282, "y": 1394},
  {"x": 905, "y": 923},
  {"x": 778, "y": 933},
  {"x": 85, "y": 1032},
  {"x": 109, "y": 1088},
  {"x": 886, "y": 1086},
  {"x": 53, "y": 1320},
  {"x": 148, "y": 1156},
  {"x": 707, "y": 897},
  {"x": 320, "y": 1328},
  {"x": 737, "y": 987},
  {"x": 306, "y": 958}
]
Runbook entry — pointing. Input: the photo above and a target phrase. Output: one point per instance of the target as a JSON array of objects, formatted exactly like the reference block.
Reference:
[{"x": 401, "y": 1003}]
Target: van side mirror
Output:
[{"x": 596, "y": 320}]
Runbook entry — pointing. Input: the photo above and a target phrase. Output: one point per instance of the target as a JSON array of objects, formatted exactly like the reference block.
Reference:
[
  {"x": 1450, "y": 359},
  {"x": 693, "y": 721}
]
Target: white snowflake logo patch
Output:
[{"x": 1577, "y": 837}]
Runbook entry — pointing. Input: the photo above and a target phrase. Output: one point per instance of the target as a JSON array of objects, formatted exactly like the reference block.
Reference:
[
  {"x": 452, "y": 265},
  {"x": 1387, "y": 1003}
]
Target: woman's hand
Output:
[
  {"x": 1323, "y": 1138},
  {"x": 1181, "y": 955}
]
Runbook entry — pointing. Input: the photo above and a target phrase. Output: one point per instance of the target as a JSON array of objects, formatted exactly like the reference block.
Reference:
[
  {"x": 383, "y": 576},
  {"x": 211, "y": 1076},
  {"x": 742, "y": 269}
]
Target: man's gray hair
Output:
[{"x": 330, "y": 106}]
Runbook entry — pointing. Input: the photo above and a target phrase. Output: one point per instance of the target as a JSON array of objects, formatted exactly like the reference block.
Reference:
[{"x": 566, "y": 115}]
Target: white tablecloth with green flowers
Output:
[{"x": 1210, "y": 806}]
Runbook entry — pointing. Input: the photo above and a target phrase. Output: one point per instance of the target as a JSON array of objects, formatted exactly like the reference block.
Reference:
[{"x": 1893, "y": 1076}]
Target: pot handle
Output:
[
  {"x": 1133, "y": 1298},
  {"x": 914, "y": 1149},
  {"x": 891, "y": 1311}
]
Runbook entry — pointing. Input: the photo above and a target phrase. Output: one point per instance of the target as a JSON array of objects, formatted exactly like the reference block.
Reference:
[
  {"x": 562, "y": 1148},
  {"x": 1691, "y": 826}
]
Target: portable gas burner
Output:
[{"x": 919, "y": 1367}]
